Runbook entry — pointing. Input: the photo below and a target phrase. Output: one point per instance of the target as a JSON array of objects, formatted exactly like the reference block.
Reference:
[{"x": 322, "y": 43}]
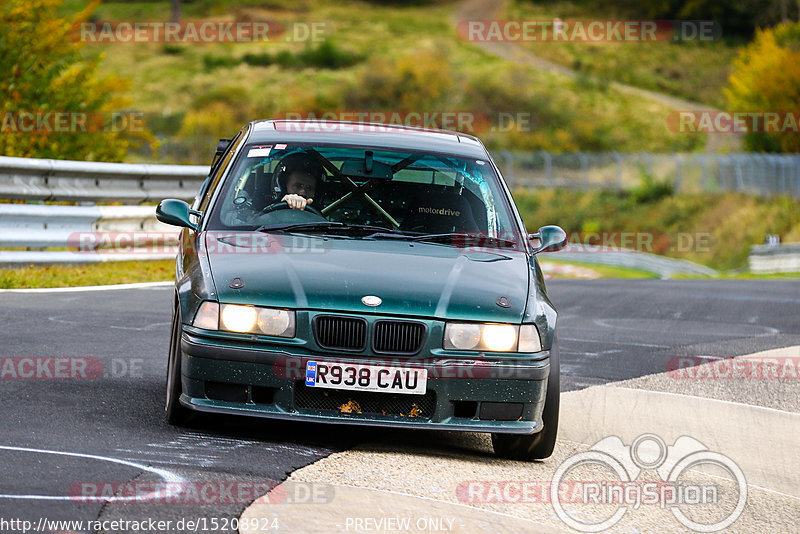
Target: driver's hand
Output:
[{"x": 296, "y": 202}]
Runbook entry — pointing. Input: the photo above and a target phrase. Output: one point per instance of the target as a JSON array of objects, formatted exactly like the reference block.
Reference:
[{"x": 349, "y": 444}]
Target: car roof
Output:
[{"x": 377, "y": 135}]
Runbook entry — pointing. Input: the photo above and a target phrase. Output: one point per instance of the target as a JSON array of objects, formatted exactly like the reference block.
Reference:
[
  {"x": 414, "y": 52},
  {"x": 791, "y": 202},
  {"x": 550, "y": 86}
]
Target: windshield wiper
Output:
[
  {"x": 472, "y": 239},
  {"x": 338, "y": 227},
  {"x": 299, "y": 226}
]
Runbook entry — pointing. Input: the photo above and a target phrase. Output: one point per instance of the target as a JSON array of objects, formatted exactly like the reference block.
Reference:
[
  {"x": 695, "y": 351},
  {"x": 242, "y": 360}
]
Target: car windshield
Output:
[{"x": 401, "y": 193}]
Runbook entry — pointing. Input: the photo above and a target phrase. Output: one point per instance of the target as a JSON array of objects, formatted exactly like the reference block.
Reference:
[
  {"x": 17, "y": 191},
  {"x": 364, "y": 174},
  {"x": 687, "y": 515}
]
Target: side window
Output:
[{"x": 220, "y": 170}]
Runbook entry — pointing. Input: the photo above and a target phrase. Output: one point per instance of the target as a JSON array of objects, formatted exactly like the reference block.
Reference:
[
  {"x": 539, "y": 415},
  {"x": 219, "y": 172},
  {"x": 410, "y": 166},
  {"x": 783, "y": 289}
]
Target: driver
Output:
[{"x": 299, "y": 176}]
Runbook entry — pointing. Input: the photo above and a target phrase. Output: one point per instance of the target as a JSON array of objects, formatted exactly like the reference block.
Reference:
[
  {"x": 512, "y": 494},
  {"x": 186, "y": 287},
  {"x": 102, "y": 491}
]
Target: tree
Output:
[
  {"x": 45, "y": 80},
  {"x": 766, "y": 78}
]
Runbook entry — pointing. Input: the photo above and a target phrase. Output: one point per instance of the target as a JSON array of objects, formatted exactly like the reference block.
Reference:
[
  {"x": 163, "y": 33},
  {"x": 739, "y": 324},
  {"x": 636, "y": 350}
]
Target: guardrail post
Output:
[
  {"x": 508, "y": 172},
  {"x": 584, "y": 169},
  {"x": 678, "y": 172},
  {"x": 618, "y": 160},
  {"x": 548, "y": 167}
]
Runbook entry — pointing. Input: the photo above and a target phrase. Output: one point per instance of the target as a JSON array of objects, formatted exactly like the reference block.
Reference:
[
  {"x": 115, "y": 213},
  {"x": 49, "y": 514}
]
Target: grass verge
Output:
[
  {"x": 122, "y": 272},
  {"x": 713, "y": 229},
  {"x": 372, "y": 57},
  {"x": 694, "y": 70}
]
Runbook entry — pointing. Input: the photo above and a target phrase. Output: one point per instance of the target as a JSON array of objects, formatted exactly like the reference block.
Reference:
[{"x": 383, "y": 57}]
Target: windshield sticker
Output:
[
  {"x": 259, "y": 151},
  {"x": 280, "y": 147}
]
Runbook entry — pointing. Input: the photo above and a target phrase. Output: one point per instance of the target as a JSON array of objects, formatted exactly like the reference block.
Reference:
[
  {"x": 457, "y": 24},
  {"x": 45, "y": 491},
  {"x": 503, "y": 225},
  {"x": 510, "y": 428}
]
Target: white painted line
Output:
[
  {"x": 734, "y": 403},
  {"x": 731, "y": 428},
  {"x": 605, "y": 342},
  {"x": 167, "y": 476},
  {"x": 110, "y": 287}
]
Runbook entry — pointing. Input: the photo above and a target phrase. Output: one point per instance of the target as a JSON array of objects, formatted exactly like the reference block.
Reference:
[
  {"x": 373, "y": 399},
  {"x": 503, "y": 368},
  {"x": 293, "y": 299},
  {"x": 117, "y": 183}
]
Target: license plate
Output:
[{"x": 378, "y": 378}]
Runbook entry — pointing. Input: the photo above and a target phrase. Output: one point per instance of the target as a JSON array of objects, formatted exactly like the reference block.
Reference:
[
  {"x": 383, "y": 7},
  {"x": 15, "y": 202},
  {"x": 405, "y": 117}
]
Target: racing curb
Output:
[{"x": 742, "y": 432}]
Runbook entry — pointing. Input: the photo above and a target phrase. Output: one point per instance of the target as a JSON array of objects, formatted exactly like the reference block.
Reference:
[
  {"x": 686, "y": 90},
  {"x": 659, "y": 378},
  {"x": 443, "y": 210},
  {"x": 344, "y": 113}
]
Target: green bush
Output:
[
  {"x": 211, "y": 61},
  {"x": 651, "y": 190},
  {"x": 327, "y": 56}
]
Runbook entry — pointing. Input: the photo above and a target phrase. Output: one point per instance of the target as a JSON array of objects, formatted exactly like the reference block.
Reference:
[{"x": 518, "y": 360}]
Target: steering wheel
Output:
[{"x": 282, "y": 205}]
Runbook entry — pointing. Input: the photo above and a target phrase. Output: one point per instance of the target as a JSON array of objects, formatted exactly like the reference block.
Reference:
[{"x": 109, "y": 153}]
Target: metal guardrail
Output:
[
  {"x": 36, "y": 226},
  {"x": 86, "y": 181},
  {"x": 757, "y": 174},
  {"x": 784, "y": 258},
  {"x": 39, "y": 226},
  {"x": 620, "y": 257},
  {"x": 42, "y": 226}
]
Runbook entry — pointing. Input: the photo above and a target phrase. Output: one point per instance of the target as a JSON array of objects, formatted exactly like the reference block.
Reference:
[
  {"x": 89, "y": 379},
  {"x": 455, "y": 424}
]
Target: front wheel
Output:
[
  {"x": 540, "y": 445},
  {"x": 177, "y": 414}
]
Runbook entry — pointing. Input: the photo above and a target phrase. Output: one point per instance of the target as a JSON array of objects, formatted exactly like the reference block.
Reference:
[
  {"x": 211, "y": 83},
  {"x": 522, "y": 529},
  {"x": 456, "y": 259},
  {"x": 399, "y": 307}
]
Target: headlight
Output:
[
  {"x": 245, "y": 319},
  {"x": 500, "y": 337},
  {"x": 276, "y": 322},
  {"x": 237, "y": 318},
  {"x": 491, "y": 337},
  {"x": 462, "y": 336}
]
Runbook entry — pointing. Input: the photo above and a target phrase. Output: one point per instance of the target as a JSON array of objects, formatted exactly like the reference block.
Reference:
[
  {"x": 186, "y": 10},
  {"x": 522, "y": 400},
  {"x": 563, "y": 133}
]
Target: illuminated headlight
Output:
[
  {"x": 245, "y": 319},
  {"x": 491, "y": 337},
  {"x": 238, "y": 318},
  {"x": 500, "y": 337}
]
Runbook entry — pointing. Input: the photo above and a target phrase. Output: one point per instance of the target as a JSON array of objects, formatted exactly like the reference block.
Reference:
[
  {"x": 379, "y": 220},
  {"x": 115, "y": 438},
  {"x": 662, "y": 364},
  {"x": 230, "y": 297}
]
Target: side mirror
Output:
[
  {"x": 176, "y": 212},
  {"x": 551, "y": 238},
  {"x": 222, "y": 145}
]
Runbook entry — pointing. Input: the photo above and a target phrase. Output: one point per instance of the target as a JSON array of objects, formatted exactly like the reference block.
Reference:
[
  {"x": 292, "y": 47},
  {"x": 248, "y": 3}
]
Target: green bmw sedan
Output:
[{"x": 365, "y": 274}]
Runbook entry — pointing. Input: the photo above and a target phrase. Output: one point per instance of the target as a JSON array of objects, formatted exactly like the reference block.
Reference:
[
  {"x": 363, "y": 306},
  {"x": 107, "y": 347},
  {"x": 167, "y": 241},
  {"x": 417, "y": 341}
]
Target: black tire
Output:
[
  {"x": 541, "y": 444},
  {"x": 177, "y": 414}
]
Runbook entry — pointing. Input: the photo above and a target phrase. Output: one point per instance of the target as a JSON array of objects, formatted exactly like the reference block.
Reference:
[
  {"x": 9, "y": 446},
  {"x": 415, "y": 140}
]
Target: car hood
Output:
[{"x": 333, "y": 274}]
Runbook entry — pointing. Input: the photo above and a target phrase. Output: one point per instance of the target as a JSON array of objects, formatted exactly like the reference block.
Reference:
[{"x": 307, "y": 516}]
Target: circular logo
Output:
[{"x": 371, "y": 300}]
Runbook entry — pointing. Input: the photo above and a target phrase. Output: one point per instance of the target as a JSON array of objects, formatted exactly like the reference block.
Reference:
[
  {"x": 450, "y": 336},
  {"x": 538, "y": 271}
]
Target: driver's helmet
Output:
[{"x": 299, "y": 161}]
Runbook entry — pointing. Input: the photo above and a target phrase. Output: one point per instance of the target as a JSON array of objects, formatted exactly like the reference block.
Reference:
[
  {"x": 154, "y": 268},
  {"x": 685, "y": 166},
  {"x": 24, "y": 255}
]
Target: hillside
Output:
[{"x": 370, "y": 57}]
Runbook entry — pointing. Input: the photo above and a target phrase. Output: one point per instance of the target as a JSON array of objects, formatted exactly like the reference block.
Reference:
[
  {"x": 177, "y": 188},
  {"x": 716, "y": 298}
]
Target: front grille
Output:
[
  {"x": 341, "y": 333},
  {"x": 398, "y": 337},
  {"x": 411, "y": 406}
]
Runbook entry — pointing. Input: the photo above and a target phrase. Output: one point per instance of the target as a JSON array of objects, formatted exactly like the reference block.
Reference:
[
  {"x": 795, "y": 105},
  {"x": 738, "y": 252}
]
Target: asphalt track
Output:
[{"x": 60, "y": 436}]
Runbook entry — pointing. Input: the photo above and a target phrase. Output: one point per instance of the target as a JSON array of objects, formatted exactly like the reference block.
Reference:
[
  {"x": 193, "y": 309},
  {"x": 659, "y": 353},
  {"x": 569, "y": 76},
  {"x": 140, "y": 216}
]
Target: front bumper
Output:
[{"x": 504, "y": 395}]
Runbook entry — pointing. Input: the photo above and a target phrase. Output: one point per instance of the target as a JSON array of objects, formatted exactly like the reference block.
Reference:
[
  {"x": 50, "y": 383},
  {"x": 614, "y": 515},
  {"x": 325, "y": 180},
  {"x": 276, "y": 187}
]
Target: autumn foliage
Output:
[
  {"x": 44, "y": 75},
  {"x": 766, "y": 77}
]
